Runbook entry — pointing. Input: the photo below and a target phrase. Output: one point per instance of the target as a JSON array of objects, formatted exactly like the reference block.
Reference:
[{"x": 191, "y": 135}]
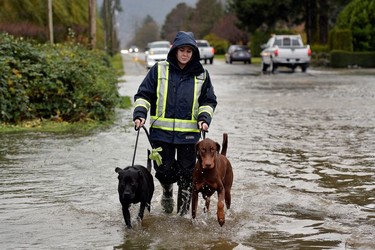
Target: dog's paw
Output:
[
  {"x": 194, "y": 222},
  {"x": 198, "y": 222},
  {"x": 221, "y": 222},
  {"x": 221, "y": 217},
  {"x": 228, "y": 212}
]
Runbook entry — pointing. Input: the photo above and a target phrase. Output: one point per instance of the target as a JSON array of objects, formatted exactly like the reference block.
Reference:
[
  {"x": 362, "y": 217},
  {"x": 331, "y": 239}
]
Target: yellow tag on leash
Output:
[{"x": 155, "y": 156}]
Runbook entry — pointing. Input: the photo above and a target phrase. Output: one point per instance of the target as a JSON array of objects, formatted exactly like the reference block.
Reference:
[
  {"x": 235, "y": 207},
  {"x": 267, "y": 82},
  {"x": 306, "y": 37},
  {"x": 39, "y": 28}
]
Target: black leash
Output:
[
  {"x": 136, "y": 142},
  {"x": 203, "y": 134},
  {"x": 135, "y": 148}
]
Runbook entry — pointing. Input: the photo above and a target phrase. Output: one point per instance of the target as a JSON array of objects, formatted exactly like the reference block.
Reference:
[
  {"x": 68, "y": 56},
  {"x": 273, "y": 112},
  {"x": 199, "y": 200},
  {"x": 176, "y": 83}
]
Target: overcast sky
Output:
[{"x": 134, "y": 12}]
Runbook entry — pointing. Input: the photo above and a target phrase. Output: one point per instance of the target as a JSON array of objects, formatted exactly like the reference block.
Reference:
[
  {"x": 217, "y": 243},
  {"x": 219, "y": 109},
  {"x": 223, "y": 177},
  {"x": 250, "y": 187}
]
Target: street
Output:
[{"x": 301, "y": 146}]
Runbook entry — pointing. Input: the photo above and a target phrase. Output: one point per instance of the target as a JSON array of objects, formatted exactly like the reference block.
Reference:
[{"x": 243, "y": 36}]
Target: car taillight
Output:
[
  {"x": 213, "y": 51},
  {"x": 309, "y": 52},
  {"x": 276, "y": 52}
]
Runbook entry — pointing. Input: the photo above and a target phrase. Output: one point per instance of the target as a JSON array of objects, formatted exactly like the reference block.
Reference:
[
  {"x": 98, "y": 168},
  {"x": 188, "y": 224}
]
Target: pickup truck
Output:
[
  {"x": 285, "y": 50},
  {"x": 206, "y": 51}
]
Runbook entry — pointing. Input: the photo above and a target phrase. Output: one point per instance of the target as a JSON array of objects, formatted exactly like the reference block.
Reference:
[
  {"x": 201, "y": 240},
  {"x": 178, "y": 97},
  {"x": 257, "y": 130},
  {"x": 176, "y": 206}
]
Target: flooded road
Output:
[{"x": 302, "y": 147}]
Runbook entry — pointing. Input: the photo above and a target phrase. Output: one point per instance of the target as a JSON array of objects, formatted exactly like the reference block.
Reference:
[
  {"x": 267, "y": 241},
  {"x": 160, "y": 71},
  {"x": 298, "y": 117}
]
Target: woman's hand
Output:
[
  {"x": 202, "y": 125},
  {"x": 139, "y": 122}
]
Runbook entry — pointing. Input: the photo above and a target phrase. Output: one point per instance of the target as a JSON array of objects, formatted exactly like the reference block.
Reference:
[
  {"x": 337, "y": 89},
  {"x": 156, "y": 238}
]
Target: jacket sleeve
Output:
[
  {"x": 146, "y": 94},
  {"x": 207, "y": 101}
]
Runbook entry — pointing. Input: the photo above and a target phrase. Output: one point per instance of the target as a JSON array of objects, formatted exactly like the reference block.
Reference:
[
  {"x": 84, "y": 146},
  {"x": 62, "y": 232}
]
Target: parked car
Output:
[
  {"x": 285, "y": 50},
  {"x": 155, "y": 55},
  {"x": 238, "y": 53},
  {"x": 206, "y": 51}
]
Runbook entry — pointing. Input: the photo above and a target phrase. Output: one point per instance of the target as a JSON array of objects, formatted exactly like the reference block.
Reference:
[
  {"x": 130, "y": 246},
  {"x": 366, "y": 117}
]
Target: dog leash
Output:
[
  {"x": 154, "y": 155},
  {"x": 136, "y": 145},
  {"x": 203, "y": 134}
]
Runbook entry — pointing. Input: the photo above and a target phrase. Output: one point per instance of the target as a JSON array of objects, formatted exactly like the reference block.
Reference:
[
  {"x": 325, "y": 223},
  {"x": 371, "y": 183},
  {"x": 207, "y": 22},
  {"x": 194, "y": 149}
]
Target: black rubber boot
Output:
[
  {"x": 167, "y": 202},
  {"x": 183, "y": 200}
]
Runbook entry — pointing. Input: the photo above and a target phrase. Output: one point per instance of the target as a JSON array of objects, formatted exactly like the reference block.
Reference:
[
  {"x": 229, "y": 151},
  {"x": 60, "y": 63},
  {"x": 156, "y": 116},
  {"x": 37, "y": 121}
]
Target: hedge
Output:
[
  {"x": 64, "y": 82},
  {"x": 340, "y": 59},
  {"x": 340, "y": 39}
]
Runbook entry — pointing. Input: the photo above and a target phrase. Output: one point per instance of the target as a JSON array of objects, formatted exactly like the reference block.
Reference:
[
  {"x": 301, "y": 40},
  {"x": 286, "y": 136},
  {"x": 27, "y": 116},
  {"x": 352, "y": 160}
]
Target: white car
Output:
[
  {"x": 158, "y": 44},
  {"x": 155, "y": 55}
]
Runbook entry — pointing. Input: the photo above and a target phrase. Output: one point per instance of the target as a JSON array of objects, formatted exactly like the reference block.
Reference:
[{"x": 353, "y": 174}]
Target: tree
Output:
[
  {"x": 226, "y": 28},
  {"x": 204, "y": 17},
  {"x": 359, "y": 17},
  {"x": 253, "y": 14},
  {"x": 148, "y": 32},
  {"x": 317, "y": 15},
  {"x": 28, "y": 18},
  {"x": 175, "y": 21},
  {"x": 320, "y": 16},
  {"x": 108, "y": 13},
  {"x": 92, "y": 23}
]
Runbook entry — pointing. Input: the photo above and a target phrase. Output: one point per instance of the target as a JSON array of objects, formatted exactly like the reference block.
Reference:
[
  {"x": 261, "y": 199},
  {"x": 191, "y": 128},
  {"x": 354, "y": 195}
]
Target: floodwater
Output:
[{"x": 302, "y": 147}]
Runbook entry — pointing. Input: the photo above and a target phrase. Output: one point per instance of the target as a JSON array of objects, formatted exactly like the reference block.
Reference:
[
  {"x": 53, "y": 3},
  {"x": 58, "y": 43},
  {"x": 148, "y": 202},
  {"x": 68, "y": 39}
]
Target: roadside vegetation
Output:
[{"x": 45, "y": 86}]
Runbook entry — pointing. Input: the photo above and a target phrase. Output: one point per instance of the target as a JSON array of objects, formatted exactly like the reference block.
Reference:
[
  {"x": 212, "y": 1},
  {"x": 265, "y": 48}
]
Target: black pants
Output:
[{"x": 178, "y": 163}]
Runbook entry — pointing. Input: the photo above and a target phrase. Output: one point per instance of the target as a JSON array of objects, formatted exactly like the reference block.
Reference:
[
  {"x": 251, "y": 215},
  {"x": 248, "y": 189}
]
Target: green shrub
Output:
[
  {"x": 320, "y": 55},
  {"x": 340, "y": 59},
  {"x": 359, "y": 17},
  {"x": 319, "y": 48},
  {"x": 340, "y": 39},
  {"x": 63, "y": 82},
  {"x": 256, "y": 42},
  {"x": 220, "y": 45}
]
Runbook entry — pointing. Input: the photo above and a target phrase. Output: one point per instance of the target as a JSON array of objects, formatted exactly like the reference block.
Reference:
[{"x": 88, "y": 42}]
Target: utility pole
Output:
[
  {"x": 109, "y": 26},
  {"x": 92, "y": 25},
  {"x": 50, "y": 21}
]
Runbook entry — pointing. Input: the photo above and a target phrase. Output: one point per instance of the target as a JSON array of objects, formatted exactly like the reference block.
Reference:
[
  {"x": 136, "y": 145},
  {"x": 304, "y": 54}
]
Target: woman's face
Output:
[{"x": 184, "y": 55}]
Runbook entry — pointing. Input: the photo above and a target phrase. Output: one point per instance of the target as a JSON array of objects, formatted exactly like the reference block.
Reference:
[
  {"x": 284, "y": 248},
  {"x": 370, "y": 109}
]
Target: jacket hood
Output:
[{"x": 184, "y": 38}]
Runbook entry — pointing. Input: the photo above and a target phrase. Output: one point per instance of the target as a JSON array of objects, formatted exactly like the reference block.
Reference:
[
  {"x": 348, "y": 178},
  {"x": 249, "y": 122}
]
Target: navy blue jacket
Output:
[{"x": 180, "y": 93}]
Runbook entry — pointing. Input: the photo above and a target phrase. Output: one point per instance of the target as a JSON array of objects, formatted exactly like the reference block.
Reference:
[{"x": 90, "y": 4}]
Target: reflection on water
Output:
[{"x": 303, "y": 154}]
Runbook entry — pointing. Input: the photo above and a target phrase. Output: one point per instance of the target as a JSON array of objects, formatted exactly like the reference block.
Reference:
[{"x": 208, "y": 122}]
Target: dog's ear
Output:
[
  {"x": 217, "y": 147},
  {"x": 197, "y": 149},
  {"x": 117, "y": 170}
]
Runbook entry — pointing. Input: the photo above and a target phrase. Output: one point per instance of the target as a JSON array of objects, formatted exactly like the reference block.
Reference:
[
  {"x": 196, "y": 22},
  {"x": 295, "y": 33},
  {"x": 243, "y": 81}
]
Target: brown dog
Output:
[{"x": 212, "y": 172}]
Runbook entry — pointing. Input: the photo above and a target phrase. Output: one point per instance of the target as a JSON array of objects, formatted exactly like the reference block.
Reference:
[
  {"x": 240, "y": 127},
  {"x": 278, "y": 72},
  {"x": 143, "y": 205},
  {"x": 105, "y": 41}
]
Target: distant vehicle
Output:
[
  {"x": 206, "y": 51},
  {"x": 285, "y": 50},
  {"x": 237, "y": 53},
  {"x": 133, "y": 49},
  {"x": 156, "y": 55},
  {"x": 158, "y": 44}
]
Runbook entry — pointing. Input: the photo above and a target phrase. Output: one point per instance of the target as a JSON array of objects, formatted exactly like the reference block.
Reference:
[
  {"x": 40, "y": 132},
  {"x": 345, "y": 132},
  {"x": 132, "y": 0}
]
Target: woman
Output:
[{"x": 180, "y": 98}]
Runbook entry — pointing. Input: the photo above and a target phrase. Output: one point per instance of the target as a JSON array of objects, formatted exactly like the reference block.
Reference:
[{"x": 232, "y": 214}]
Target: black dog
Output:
[{"x": 135, "y": 185}]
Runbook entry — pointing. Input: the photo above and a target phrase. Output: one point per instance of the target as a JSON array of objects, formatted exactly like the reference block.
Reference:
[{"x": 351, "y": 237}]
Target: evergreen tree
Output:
[
  {"x": 175, "y": 21},
  {"x": 359, "y": 17},
  {"x": 206, "y": 14},
  {"x": 148, "y": 32}
]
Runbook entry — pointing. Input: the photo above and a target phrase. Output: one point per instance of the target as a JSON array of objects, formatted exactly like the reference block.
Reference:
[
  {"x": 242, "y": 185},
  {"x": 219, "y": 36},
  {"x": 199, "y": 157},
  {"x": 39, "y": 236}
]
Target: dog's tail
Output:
[
  {"x": 225, "y": 144},
  {"x": 149, "y": 166}
]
